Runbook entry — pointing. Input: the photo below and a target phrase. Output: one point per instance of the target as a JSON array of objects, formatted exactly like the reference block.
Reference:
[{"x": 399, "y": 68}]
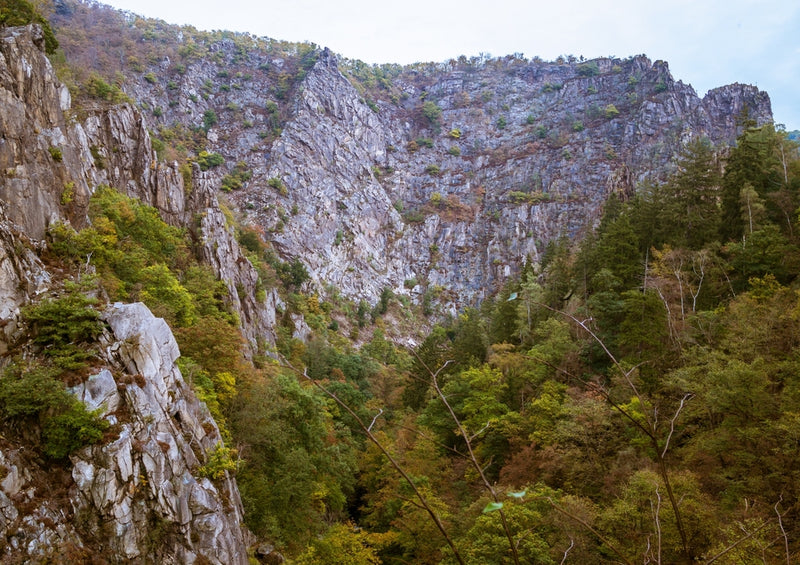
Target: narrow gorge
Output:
[{"x": 294, "y": 219}]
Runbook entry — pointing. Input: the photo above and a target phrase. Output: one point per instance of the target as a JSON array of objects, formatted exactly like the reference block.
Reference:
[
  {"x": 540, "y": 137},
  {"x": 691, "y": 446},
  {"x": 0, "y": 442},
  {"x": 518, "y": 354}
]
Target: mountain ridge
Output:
[{"x": 520, "y": 153}]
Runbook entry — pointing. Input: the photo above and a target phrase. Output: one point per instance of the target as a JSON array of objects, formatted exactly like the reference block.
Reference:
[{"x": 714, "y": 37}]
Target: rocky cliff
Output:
[
  {"x": 137, "y": 496},
  {"x": 51, "y": 160},
  {"x": 431, "y": 179},
  {"x": 146, "y": 491},
  {"x": 459, "y": 204}
]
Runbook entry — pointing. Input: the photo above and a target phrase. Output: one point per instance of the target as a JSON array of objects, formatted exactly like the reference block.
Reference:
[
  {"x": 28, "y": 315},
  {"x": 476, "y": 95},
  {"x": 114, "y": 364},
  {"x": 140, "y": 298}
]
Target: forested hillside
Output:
[
  {"x": 634, "y": 398},
  {"x": 625, "y": 390}
]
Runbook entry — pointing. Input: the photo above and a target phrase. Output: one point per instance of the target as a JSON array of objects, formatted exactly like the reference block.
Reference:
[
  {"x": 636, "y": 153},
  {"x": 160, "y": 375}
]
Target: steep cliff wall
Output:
[
  {"x": 461, "y": 203},
  {"x": 51, "y": 162},
  {"x": 39, "y": 150},
  {"x": 137, "y": 495},
  {"x": 141, "y": 494},
  {"x": 371, "y": 192}
]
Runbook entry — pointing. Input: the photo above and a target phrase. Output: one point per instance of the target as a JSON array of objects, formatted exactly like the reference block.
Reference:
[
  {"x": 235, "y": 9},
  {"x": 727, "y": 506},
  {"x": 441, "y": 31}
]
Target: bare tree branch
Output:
[
  {"x": 479, "y": 432},
  {"x": 586, "y": 525},
  {"x": 737, "y": 542},
  {"x": 783, "y": 531},
  {"x": 566, "y": 551},
  {"x": 378, "y": 415},
  {"x": 423, "y": 435},
  {"x": 702, "y": 275},
  {"x": 657, "y": 522},
  {"x": 686, "y": 397},
  {"x": 672, "y": 333},
  {"x": 474, "y": 460},
  {"x": 651, "y": 433}
]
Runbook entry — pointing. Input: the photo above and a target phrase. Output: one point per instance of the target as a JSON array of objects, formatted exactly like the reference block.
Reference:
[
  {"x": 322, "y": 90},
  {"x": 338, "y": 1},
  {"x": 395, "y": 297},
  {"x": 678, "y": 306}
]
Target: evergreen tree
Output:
[
  {"x": 503, "y": 323},
  {"x": 618, "y": 251},
  {"x": 754, "y": 163},
  {"x": 557, "y": 268},
  {"x": 691, "y": 210},
  {"x": 429, "y": 356}
]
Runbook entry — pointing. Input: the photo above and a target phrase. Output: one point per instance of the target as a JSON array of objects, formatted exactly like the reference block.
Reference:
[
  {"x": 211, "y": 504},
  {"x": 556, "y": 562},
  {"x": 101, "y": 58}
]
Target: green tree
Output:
[
  {"x": 764, "y": 252},
  {"x": 643, "y": 333},
  {"x": 476, "y": 397},
  {"x": 32, "y": 397},
  {"x": 613, "y": 247},
  {"x": 504, "y": 318},
  {"x": 753, "y": 163},
  {"x": 617, "y": 249},
  {"x": 344, "y": 544},
  {"x": 208, "y": 160},
  {"x": 558, "y": 272},
  {"x": 692, "y": 194},
  {"x": 388, "y": 504},
  {"x": 641, "y": 513},
  {"x": 209, "y": 120},
  {"x": 470, "y": 343},
  {"x": 433, "y": 114},
  {"x": 165, "y": 296},
  {"x": 300, "y": 468},
  {"x": 431, "y": 355},
  {"x": 64, "y": 327},
  {"x": 485, "y": 543}
]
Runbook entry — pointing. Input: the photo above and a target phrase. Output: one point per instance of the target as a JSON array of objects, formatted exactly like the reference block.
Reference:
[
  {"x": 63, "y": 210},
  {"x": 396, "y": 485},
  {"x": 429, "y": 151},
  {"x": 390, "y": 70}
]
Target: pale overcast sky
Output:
[{"x": 707, "y": 43}]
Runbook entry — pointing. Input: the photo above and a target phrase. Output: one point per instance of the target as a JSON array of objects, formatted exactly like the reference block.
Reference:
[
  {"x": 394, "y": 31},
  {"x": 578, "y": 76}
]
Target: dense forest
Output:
[{"x": 633, "y": 397}]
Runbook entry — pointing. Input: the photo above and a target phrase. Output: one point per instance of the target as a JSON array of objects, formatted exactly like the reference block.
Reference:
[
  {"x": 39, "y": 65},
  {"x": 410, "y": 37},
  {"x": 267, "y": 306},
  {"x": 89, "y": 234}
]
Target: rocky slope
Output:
[
  {"x": 51, "y": 161},
  {"x": 367, "y": 185},
  {"x": 137, "y": 496},
  {"x": 140, "y": 494},
  {"x": 493, "y": 189}
]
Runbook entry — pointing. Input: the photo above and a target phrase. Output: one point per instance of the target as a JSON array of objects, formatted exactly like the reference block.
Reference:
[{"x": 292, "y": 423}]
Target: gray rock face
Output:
[
  {"x": 325, "y": 159},
  {"x": 524, "y": 152},
  {"x": 138, "y": 496},
  {"x": 534, "y": 159},
  {"x": 22, "y": 277},
  {"x": 157, "y": 454},
  {"x": 122, "y": 156},
  {"x": 36, "y": 154},
  {"x": 256, "y": 310}
]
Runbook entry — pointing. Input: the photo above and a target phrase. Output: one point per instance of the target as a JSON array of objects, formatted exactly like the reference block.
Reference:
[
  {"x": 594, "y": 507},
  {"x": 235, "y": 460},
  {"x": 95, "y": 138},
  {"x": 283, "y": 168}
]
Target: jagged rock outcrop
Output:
[
  {"x": 137, "y": 497},
  {"x": 39, "y": 152},
  {"x": 123, "y": 157},
  {"x": 255, "y": 305},
  {"x": 50, "y": 163},
  {"x": 325, "y": 158},
  {"x": 149, "y": 473},
  {"x": 22, "y": 277}
]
